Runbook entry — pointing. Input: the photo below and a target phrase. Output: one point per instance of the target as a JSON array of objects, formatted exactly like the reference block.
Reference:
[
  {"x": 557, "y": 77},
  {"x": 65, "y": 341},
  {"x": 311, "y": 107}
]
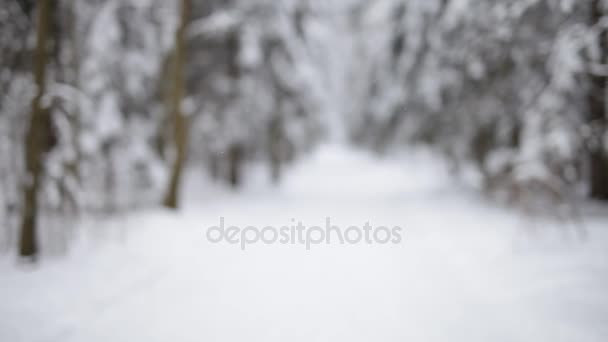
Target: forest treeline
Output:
[{"x": 105, "y": 103}]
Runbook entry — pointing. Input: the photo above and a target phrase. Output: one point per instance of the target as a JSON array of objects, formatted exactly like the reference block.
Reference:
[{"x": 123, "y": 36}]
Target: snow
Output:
[{"x": 465, "y": 270}]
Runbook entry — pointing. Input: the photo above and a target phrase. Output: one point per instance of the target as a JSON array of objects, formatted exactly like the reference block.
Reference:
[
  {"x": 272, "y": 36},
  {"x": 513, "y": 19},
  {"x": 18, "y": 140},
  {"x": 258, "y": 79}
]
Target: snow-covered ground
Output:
[{"x": 465, "y": 270}]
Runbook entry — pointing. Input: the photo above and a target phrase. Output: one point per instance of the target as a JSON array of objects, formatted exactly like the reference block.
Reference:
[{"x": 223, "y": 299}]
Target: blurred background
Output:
[
  {"x": 105, "y": 103},
  {"x": 109, "y": 108}
]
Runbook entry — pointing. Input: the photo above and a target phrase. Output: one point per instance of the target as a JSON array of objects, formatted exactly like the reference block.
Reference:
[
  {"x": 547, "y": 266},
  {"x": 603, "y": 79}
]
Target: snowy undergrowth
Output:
[{"x": 465, "y": 270}]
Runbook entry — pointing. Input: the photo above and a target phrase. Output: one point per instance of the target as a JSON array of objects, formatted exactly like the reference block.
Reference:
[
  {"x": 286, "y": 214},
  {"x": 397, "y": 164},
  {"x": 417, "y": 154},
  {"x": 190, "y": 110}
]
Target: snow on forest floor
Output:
[{"x": 465, "y": 270}]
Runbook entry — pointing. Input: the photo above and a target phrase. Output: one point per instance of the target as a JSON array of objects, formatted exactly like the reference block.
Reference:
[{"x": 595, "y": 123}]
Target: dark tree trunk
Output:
[
  {"x": 37, "y": 137},
  {"x": 276, "y": 148},
  {"x": 236, "y": 155},
  {"x": 598, "y": 156},
  {"x": 179, "y": 121}
]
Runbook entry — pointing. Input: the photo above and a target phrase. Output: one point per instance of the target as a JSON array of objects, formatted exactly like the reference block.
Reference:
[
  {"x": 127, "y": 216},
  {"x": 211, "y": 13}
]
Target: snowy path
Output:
[{"x": 464, "y": 272}]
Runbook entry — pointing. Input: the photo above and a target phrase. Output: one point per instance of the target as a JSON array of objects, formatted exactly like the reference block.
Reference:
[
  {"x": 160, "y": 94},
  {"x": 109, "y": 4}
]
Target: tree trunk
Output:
[
  {"x": 276, "y": 147},
  {"x": 236, "y": 155},
  {"x": 598, "y": 156},
  {"x": 36, "y": 137},
  {"x": 179, "y": 121}
]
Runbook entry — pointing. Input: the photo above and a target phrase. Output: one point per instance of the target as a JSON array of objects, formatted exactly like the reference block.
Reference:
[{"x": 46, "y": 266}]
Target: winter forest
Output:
[{"x": 477, "y": 129}]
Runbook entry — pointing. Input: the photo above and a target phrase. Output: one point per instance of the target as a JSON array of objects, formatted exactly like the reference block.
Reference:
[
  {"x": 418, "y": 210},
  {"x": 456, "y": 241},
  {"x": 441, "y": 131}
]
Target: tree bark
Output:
[
  {"x": 598, "y": 156},
  {"x": 236, "y": 154},
  {"x": 179, "y": 121},
  {"x": 276, "y": 146},
  {"x": 36, "y": 137}
]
